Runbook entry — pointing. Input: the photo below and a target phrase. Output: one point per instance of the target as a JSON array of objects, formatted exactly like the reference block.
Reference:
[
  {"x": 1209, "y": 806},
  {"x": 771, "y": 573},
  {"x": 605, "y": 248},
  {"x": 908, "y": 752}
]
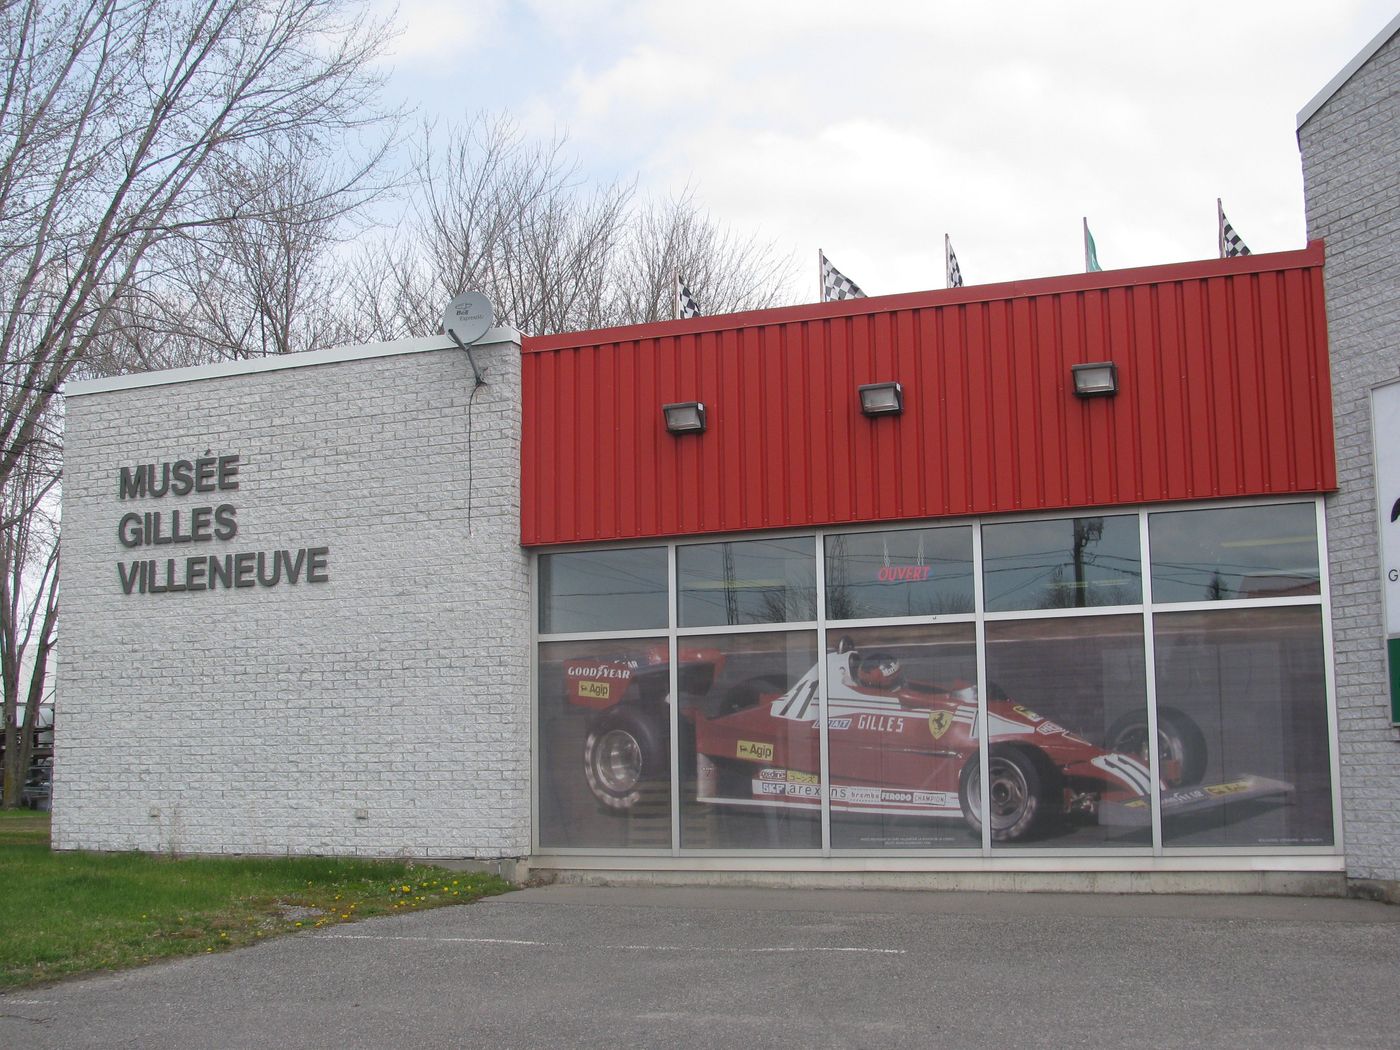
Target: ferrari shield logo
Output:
[{"x": 938, "y": 723}]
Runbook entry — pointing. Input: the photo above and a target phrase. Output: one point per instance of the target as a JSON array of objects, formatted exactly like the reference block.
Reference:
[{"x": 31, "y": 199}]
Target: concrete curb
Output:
[{"x": 1272, "y": 883}]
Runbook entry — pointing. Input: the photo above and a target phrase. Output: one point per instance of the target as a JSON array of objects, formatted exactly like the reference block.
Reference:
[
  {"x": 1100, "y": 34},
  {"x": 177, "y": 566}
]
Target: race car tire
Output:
[
  {"x": 624, "y": 754},
  {"x": 1179, "y": 740},
  {"x": 1017, "y": 793}
]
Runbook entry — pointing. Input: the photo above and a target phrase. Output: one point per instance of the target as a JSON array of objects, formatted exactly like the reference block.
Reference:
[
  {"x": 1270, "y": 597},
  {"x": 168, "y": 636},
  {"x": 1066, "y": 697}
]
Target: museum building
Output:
[{"x": 1024, "y": 584}]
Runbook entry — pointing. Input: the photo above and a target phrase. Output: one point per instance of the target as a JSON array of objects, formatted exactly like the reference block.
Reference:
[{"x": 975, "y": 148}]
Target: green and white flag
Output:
[{"x": 1091, "y": 254}]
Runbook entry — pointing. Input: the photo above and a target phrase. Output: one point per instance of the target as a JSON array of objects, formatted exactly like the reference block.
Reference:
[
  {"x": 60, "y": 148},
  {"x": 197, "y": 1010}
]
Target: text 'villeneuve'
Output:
[{"x": 215, "y": 522}]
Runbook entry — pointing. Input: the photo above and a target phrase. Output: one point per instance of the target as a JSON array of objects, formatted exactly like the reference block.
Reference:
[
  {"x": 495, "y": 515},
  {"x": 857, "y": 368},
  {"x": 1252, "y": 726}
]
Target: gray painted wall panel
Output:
[
  {"x": 260, "y": 720},
  {"x": 1351, "y": 174}
]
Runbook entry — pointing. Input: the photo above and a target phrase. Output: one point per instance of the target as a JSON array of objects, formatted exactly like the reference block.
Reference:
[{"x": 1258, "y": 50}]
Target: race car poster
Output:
[
  {"x": 1385, "y": 416},
  {"x": 1043, "y": 723}
]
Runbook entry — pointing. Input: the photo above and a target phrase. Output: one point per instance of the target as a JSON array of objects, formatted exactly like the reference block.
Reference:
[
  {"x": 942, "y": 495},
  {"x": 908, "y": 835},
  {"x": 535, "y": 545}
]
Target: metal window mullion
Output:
[
  {"x": 823, "y": 728},
  {"x": 602, "y": 636},
  {"x": 747, "y": 628},
  {"x": 983, "y": 723},
  {"x": 926, "y": 619},
  {"x": 1149, "y": 649},
  {"x": 1073, "y": 612},
  {"x": 1329, "y": 673},
  {"x": 535, "y": 776},
  {"x": 672, "y": 649}
]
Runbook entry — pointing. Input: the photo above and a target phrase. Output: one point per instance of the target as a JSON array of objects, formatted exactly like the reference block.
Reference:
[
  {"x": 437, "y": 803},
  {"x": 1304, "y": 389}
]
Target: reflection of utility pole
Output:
[
  {"x": 1086, "y": 531},
  {"x": 731, "y": 597},
  {"x": 838, "y": 599}
]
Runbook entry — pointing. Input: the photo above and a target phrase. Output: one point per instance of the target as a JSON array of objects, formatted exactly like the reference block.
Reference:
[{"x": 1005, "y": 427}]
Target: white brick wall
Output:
[
  {"x": 259, "y": 720},
  {"x": 1352, "y": 185}
]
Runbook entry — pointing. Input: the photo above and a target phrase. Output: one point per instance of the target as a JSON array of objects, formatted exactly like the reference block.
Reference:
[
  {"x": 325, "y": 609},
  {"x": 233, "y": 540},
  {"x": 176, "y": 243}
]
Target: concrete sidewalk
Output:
[{"x": 613, "y": 967}]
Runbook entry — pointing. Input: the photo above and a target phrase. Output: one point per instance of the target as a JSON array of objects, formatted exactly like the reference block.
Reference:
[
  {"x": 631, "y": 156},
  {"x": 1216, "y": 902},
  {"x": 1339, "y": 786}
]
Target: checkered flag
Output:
[
  {"x": 1231, "y": 243},
  {"x": 686, "y": 305},
  {"x": 954, "y": 270},
  {"x": 835, "y": 284}
]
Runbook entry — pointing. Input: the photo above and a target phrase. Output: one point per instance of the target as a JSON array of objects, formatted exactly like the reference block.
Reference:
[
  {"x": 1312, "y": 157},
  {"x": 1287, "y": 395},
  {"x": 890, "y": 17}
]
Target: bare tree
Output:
[
  {"x": 129, "y": 131},
  {"x": 496, "y": 213},
  {"x": 266, "y": 281},
  {"x": 28, "y": 608},
  {"x": 514, "y": 220},
  {"x": 726, "y": 272},
  {"x": 120, "y": 121}
]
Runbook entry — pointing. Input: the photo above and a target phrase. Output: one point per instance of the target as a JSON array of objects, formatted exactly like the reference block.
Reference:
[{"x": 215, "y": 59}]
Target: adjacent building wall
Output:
[
  {"x": 382, "y": 712},
  {"x": 1350, "y": 144}
]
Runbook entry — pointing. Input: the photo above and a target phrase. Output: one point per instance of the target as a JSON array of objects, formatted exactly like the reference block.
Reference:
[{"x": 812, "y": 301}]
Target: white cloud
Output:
[
  {"x": 642, "y": 85},
  {"x": 872, "y": 131},
  {"x": 441, "y": 31}
]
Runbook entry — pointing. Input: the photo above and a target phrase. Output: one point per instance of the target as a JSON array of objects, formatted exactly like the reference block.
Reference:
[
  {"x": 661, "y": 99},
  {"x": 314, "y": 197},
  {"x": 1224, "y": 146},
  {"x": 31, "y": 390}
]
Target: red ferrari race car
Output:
[{"x": 897, "y": 745}]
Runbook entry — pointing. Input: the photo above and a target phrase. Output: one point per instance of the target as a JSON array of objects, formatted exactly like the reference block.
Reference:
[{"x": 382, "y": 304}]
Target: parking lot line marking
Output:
[{"x": 610, "y": 947}]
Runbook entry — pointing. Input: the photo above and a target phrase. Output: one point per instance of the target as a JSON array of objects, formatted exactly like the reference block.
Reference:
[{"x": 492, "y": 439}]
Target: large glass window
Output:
[
  {"x": 870, "y": 708},
  {"x": 1249, "y": 687},
  {"x": 612, "y": 590},
  {"x": 1062, "y": 563},
  {"x": 751, "y": 753},
  {"x": 748, "y": 581},
  {"x": 1237, "y": 552},
  {"x": 1066, "y": 703},
  {"x": 604, "y": 731},
  {"x": 911, "y": 572},
  {"x": 901, "y": 731}
]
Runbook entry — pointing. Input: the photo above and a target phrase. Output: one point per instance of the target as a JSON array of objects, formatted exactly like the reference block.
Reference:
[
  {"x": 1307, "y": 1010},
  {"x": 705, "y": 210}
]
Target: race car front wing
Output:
[{"x": 1192, "y": 799}]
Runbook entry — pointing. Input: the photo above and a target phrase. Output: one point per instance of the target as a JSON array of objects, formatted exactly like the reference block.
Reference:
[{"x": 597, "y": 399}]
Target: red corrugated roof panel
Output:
[{"x": 1223, "y": 392}]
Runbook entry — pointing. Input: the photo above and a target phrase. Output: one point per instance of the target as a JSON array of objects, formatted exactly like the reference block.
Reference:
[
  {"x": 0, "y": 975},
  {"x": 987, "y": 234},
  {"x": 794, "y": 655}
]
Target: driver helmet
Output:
[{"x": 881, "y": 671}]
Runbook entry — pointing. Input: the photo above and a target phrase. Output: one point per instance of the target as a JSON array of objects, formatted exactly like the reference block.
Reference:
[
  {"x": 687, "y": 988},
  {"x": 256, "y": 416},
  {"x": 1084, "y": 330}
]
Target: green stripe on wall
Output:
[{"x": 1393, "y": 648}]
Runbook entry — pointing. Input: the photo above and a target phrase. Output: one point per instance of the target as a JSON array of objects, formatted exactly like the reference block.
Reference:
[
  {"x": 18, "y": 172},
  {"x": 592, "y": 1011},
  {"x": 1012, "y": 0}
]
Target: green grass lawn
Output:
[{"x": 68, "y": 913}]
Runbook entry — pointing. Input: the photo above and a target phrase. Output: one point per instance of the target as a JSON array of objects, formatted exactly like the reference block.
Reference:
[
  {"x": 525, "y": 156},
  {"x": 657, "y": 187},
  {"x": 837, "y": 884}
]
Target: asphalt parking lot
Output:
[{"x": 640, "y": 967}]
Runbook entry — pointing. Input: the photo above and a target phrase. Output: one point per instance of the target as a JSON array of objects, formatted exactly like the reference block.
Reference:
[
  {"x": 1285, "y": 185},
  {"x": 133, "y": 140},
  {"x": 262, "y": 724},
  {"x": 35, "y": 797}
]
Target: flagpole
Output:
[
  {"x": 1086, "y": 244},
  {"x": 1220, "y": 227},
  {"x": 947, "y": 256},
  {"x": 821, "y": 298},
  {"x": 676, "y": 298}
]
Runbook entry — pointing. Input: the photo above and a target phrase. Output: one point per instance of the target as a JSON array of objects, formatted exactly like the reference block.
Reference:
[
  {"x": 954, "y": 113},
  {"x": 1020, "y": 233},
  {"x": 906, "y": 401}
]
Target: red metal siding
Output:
[{"x": 1223, "y": 391}]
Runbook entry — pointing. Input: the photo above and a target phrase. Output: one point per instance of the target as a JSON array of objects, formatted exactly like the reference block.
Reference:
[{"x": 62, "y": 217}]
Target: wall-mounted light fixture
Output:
[
  {"x": 685, "y": 417},
  {"x": 881, "y": 399},
  {"x": 1099, "y": 379}
]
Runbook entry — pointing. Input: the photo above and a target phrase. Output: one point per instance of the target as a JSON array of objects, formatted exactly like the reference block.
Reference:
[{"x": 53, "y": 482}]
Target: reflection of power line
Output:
[
  {"x": 1019, "y": 582},
  {"x": 607, "y": 572},
  {"x": 1228, "y": 568}
]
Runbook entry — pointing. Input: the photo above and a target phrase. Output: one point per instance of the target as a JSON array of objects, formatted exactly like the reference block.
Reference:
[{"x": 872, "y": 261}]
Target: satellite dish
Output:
[{"x": 468, "y": 317}]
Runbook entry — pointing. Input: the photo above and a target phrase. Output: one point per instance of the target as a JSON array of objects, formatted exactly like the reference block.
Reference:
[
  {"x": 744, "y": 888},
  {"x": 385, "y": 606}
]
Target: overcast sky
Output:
[{"x": 872, "y": 130}]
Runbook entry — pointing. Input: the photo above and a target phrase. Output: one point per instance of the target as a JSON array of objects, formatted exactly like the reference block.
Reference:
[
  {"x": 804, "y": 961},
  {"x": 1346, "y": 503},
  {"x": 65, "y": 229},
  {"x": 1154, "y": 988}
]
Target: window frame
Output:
[{"x": 1041, "y": 858}]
